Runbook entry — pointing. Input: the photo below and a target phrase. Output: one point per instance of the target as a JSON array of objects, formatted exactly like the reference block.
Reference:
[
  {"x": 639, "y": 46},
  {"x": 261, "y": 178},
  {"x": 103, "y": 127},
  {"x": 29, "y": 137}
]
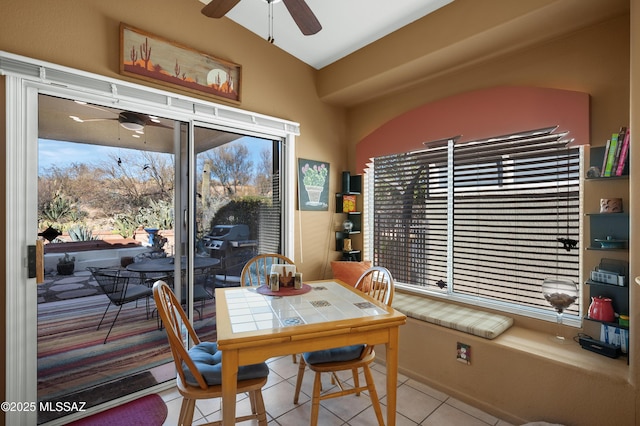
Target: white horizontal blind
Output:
[
  {"x": 410, "y": 215},
  {"x": 512, "y": 198}
]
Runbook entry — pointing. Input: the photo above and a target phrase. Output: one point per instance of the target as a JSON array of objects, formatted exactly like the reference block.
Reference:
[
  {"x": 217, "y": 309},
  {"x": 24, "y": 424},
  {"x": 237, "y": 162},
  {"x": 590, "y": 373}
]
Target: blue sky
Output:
[{"x": 62, "y": 154}]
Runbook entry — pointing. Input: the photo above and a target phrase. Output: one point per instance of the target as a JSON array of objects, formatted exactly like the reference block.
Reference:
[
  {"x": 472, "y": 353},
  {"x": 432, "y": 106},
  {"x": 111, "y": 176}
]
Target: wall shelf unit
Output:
[
  {"x": 347, "y": 204},
  {"x": 608, "y": 239}
]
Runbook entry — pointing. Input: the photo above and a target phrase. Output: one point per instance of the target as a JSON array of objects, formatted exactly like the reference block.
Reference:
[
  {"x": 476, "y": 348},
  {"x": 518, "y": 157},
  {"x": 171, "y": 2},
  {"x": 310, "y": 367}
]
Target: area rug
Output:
[
  {"x": 149, "y": 410},
  {"x": 71, "y": 353}
]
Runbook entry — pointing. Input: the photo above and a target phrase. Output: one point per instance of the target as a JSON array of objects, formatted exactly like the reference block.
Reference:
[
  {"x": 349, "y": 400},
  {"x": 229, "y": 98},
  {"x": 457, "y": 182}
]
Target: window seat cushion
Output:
[{"x": 473, "y": 321}]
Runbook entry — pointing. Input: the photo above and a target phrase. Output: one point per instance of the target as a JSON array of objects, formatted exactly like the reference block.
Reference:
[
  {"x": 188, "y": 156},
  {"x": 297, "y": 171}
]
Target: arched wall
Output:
[{"x": 480, "y": 114}]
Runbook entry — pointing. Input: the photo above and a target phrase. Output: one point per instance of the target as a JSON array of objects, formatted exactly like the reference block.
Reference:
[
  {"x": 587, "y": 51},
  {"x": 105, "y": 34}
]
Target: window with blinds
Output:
[{"x": 479, "y": 219}]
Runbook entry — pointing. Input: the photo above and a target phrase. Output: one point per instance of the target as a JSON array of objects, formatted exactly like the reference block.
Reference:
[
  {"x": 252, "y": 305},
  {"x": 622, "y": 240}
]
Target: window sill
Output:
[
  {"x": 527, "y": 342},
  {"x": 541, "y": 345}
]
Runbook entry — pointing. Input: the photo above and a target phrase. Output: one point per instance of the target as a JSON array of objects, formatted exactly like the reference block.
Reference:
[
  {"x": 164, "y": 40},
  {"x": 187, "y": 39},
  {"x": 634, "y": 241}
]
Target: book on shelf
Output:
[
  {"x": 348, "y": 203},
  {"x": 621, "y": 133},
  {"x": 610, "y": 155},
  {"x": 604, "y": 157},
  {"x": 624, "y": 152}
]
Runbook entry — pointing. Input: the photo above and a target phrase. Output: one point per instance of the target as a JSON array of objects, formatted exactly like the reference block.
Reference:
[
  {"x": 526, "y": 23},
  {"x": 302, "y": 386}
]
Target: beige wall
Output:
[
  {"x": 84, "y": 35},
  {"x": 506, "y": 380},
  {"x": 335, "y": 112}
]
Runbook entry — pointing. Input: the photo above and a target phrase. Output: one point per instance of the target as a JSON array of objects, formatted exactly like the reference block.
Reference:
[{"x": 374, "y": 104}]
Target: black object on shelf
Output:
[{"x": 599, "y": 347}]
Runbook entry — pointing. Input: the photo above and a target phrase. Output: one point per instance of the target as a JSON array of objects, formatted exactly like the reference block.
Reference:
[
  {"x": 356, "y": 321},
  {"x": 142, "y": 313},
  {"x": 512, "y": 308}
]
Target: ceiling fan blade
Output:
[
  {"x": 98, "y": 119},
  {"x": 303, "y": 16},
  {"x": 154, "y": 124},
  {"x": 218, "y": 8}
]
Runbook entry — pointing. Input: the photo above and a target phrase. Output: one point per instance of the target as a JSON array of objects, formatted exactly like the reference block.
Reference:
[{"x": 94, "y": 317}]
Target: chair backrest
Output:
[
  {"x": 378, "y": 283},
  {"x": 256, "y": 271},
  {"x": 175, "y": 321},
  {"x": 111, "y": 281}
]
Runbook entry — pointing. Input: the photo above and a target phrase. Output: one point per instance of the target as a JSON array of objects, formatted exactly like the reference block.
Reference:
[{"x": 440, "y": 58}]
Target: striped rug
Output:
[{"x": 71, "y": 353}]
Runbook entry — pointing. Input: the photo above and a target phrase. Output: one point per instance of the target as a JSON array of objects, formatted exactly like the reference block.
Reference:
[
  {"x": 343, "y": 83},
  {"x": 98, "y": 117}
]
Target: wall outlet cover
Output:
[{"x": 463, "y": 353}]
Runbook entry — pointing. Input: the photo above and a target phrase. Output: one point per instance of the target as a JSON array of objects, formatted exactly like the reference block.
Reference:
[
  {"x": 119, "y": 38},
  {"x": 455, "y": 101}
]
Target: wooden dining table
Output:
[{"x": 253, "y": 326}]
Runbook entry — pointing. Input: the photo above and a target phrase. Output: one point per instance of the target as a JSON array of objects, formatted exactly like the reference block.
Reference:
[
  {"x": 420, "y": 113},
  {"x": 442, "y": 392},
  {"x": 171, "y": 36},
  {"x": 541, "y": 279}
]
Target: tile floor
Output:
[{"x": 418, "y": 404}]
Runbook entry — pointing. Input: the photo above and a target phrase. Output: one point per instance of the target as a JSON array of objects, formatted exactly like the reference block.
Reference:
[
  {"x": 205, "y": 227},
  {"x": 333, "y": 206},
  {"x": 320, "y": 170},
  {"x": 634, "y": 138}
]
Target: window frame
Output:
[{"x": 450, "y": 293}]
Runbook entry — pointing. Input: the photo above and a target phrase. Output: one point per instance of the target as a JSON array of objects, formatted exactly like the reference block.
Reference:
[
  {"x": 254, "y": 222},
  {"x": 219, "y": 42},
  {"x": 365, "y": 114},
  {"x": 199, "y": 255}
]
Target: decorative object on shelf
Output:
[
  {"x": 313, "y": 185},
  {"x": 610, "y": 205},
  {"x": 611, "y": 243},
  {"x": 347, "y": 245},
  {"x": 348, "y": 203},
  {"x": 155, "y": 59},
  {"x": 347, "y": 226},
  {"x": 593, "y": 172},
  {"x": 601, "y": 309},
  {"x": 560, "y": 293},
  {"x": 66, "y": 265}
]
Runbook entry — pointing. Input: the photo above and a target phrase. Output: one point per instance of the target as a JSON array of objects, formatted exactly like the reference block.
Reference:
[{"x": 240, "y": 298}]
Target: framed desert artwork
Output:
[{"x": 153, "y": 58}]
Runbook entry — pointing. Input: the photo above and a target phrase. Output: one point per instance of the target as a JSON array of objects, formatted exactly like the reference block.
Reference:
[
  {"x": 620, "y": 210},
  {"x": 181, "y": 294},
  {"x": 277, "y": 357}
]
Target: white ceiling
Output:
[{"x": 347, "y": 25}]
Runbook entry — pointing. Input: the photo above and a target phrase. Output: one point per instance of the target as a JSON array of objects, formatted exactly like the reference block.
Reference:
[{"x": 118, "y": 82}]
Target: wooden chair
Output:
[
  {"x": 119, "y": 291},
  {"x": 199, "y": 370},
  {"x": 256, "y": 271},
  {"x": 378, "y": 283}
]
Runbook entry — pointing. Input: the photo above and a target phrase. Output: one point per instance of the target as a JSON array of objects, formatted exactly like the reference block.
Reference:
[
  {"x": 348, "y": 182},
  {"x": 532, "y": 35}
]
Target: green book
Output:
[{"x": 611, "y": 155}]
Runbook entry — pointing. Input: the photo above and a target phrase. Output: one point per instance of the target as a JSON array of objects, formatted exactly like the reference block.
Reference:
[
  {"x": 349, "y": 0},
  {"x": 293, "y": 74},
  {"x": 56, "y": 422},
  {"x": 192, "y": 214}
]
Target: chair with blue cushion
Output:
[
  {"x": 378, "y": 283},
  {"x": 200, "y": 367}
]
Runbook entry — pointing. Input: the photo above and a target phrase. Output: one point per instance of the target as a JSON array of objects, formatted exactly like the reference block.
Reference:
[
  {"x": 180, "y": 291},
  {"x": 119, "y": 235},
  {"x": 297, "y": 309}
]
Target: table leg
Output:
[
  {"x": 229, "y": 386},
  {"x": 392, "y": 375}
]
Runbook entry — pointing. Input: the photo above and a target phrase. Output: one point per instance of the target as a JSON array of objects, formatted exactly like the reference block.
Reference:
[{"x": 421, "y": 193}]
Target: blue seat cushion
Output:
[
  {"x": 345, "y": 353},
  {"x": 208, "y": 361}
]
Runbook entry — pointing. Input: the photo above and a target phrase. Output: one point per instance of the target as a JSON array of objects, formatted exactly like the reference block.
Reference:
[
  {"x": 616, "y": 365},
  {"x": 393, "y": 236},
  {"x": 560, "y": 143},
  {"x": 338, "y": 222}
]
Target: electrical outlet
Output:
[{"x": 464, "y": 353}]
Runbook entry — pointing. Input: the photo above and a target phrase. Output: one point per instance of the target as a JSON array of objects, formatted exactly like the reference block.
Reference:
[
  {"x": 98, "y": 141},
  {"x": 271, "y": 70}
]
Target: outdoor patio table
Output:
[
  {"x": 253, "y": 327},
  {"x": 166, "y": 265}
]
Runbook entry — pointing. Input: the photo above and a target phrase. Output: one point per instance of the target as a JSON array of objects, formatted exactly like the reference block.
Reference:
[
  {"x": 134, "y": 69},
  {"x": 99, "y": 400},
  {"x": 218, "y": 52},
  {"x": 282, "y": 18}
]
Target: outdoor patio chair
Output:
[
  {"x": 378, "y": 283},
  {"x": 119, "y": 291},
  {"x": 200, "y": 367}
]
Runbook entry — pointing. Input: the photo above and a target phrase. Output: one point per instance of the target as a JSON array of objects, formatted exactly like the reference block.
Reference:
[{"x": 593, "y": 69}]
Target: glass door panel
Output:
[
  {"x": 238, "y": 206},
  {"x": 106, "y": 184}
]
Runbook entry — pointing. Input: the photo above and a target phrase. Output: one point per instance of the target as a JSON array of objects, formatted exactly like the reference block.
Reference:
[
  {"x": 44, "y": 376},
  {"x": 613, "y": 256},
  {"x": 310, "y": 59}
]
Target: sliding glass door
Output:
[{"x": 104, "y": 169}]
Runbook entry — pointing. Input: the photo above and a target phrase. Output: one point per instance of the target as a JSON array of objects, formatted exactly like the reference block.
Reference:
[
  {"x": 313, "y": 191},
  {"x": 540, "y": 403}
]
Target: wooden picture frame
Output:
[{"x": 155, "y": 59}]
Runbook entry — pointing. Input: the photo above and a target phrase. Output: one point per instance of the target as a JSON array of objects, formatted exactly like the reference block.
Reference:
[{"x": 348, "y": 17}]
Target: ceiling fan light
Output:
[{"x": 132, "y": 126}]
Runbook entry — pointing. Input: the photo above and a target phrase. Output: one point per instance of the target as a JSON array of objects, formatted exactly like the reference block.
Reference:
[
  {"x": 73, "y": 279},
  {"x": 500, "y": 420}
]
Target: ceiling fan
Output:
[
  {"x": 129, "y": 120},
  {"x": 299, "y": 10}
]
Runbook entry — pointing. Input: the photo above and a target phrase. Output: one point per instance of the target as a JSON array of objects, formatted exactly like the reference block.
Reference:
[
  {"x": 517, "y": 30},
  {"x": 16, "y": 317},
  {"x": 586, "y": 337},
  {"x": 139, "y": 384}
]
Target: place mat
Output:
[{"x": 284, "y": 291}]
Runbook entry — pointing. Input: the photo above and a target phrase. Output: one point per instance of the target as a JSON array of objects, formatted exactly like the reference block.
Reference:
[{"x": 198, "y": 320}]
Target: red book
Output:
[{"x": 624, "y": 152}]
